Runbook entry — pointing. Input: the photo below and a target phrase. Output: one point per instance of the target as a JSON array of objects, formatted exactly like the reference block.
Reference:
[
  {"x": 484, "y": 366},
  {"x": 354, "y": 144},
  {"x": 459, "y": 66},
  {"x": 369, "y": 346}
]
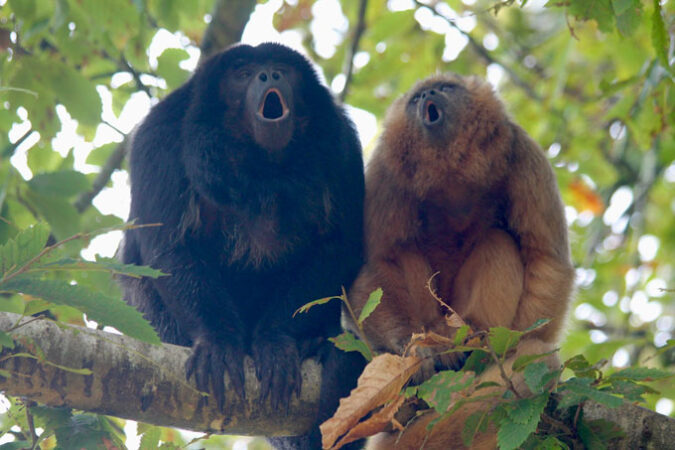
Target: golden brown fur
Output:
[{"x": 463, "y": 191}]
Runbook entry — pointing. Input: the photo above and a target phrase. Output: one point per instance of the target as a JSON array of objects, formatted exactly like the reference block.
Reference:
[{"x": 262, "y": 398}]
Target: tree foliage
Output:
[{"x": 591, "y": 81}]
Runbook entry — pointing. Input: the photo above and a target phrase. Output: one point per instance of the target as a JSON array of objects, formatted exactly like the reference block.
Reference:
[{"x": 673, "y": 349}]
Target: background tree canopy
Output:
[{"x": 591, "y": 81}]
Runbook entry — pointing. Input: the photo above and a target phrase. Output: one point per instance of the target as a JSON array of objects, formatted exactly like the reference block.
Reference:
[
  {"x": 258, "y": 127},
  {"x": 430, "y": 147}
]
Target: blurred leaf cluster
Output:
[{"x": 591, "y": 81}]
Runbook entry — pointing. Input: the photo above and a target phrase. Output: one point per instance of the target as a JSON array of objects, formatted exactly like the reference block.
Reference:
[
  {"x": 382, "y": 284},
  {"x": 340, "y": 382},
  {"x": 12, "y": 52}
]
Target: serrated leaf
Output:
[
  {"x": 65, "y": 183},
  {"x": 437, "y": 391},
  {"x": 539, "y": 323},
  {"x": 513, "y": 433},
  {"x": 502, "y": 339},
  {"x": 102, "y": 265},
  {"x": 105, "y": 310},
  {"x": 641, "y": 374},
  {"x": 16, "y": 445},
  {"x": 630, "y": 390},
  {"x": 525, "y": 410},
  {"x": 57, "y": 211},
  {"x": 477, "y": 361},
  {"x": 575, "y": 390},
  {"x": 659, "y": 34},
  {"x": 373, "y": 300},
  {"x": 26, "y": 245},
  {"x": 535, "y": 376},
  {"x": 349, "y": 343}
]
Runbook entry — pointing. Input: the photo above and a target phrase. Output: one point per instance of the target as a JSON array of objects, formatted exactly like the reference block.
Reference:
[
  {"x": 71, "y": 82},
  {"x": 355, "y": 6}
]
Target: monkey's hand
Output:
[
  {"x": 210, "y": 359},
  {"x": 277, "y": 363}
]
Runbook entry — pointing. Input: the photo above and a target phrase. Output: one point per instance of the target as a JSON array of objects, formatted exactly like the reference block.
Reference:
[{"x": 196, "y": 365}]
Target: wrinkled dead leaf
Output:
[
  {"x": 454, "y": 320},
  {"x": 429, "y": 339},
  {"x": 380, "y": 383},
  {"x": 374, "y": 424}
]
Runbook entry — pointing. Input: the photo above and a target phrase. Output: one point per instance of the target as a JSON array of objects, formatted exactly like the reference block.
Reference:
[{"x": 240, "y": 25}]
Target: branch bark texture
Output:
[
  {"x": 139, "y": 381},
  {"x": 146, "y": 383}
]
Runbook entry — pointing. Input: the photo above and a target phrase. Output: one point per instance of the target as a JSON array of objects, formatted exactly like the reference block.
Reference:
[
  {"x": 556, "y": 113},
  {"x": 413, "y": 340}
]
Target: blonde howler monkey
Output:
[{"x": 455, "y": 187}]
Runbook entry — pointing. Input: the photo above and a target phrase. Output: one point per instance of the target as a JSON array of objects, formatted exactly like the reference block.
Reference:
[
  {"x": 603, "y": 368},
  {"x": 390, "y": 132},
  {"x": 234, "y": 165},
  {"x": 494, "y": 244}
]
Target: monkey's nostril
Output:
[
  {"x": 275, "y": 75},
  {"x": 262, "y": 77}
]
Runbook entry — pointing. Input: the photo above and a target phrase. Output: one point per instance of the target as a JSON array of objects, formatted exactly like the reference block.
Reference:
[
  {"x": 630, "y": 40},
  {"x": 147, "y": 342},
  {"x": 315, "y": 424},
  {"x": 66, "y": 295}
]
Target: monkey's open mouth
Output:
[
  {"x": 431, "y": 114},
  {"x": 273, "y": 106}
]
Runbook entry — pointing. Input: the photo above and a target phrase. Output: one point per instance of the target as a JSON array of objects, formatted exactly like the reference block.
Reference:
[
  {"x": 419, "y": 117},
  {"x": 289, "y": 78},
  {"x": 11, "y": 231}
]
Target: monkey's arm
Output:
[
  {"x": 193, "y": 293},
  {"x": 537, "y": 218}
]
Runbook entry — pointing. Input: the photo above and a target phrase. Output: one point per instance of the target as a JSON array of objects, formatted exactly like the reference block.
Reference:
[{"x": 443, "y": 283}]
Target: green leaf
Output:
[
  {"x": 523, "y": 361},
  {"x": 25, "y": 246},
  {"x": 502, "y": 339},
  {"x": 461, "y": 334},
  {"x": 169, "y": 69},
  {"x": 641, "y": 374},
  {"x": 526, "y": 410},
  {"x": 77, "y": 94},
  {"x": 99, "y": 156},
  {"x": 150, "y": 439},
  {"x": 110, "y": 265},
  {"x": 575, "y": 390},
  {"x": 57, "y": 211},
  {"x": 475, "y": 423},
  {"x": 349, "y": 343},
  {"x": 477, "y": 361},
  {"x": 536, "y": 325},
  {"x": 535, "y": 376},
  {"x": 630, "y": 390},
  {"x": 598, "y": 434},
  {"x": 628, "y": 15},
  {"x": 521, "y": 420},
  {"x": 66, "y": 183},
  {"x": 307, "y": 306},
  {"x": 6, "y": 341},
  {"x": 373, "y": 300},
  {"x": 598, "y": 10},
  {"x": 437, "y": 391},
  {"x": 659, "y": 35},
  {"x": 105, "y": 310}
]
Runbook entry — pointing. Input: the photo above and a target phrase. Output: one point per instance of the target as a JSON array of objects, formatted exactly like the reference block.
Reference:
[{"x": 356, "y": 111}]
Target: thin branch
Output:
[
  {"x": 113, "y": 163},
  {"x": 11, "y": 148},
  {"x": 228, "y": 19},
  {"x": 486, "y": 56},
  {"x": 356, "y": 39}
]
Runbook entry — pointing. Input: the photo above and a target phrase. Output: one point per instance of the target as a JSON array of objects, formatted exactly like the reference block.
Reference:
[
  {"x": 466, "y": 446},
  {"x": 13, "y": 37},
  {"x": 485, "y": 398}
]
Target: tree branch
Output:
[
  {"x": 138, "y": 381},
  {"x": 113, "y": 163},
  {"x": 228, "y": 19},
  {"x": 146, "y": 383},
  {"x": 358, "y": 32}
]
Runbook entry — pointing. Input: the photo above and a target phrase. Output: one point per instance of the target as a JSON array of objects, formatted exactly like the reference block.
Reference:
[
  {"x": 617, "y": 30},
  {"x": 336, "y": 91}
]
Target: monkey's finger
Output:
[{"x": 218, "y": 381}]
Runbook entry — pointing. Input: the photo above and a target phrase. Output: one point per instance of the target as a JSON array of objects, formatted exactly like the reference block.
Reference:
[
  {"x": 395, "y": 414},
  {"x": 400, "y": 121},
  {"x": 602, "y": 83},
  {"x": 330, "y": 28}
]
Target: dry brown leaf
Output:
[
  {"x": 380, "y": 382},
  {"x": 429, "y": 339},
  {"x": 454, "y": 320},
  {"x": 373, "y": 425}
]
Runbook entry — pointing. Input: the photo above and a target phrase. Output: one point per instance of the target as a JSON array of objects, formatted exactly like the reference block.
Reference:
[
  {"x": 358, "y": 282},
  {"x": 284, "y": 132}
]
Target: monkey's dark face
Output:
[
  {"x": 262, "y": 94},
  {"x": 445, "y": 133},
  {"x": 436, "y": 108}
]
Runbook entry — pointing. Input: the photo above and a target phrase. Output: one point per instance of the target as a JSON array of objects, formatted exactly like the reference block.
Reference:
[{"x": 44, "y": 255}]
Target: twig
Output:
[
  {"x": 113, "y": 163},
  {"x": 486, "y": 56},
  {"x": 358, "y": 32},
  {"x": 506, "y": 379},
  {"x": 11, "y": 148}
]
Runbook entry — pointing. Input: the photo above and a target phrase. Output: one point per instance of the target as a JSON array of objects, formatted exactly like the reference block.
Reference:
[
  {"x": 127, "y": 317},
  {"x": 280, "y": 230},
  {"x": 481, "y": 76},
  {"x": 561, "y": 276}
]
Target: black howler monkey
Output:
[{"x": 257, "y": 179}]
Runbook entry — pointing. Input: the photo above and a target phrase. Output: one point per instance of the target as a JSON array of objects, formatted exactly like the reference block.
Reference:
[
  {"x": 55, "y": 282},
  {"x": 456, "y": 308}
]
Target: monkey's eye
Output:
[
  {"x": 415, "y": 99},
  {"x": 243, "y": 73}
]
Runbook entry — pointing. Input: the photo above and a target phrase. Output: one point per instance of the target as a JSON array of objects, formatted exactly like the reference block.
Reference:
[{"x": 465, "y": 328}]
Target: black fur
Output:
[{"x": 250, "y": 231}]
